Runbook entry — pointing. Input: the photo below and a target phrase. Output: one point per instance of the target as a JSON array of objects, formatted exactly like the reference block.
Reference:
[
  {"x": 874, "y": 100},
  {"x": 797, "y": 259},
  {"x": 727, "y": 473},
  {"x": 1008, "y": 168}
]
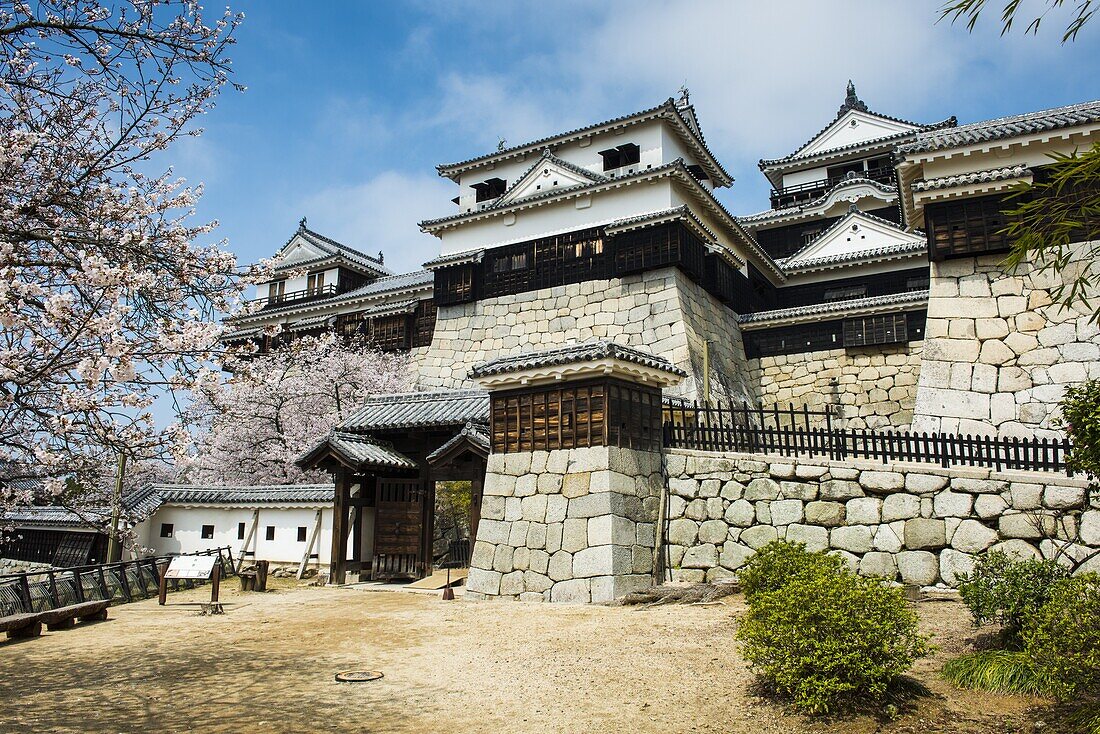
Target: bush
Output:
[
  {"x": 827, "y": 635},
  {"x": 1081, "y": 419},
  {"x": 1007, "y": 591},
  {"x": 777, "y": 563},
  {"x": 1063, "y": 637}
]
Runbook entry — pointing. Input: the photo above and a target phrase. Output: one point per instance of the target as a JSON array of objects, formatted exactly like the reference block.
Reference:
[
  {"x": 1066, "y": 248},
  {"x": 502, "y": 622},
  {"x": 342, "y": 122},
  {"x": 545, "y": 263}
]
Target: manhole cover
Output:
[{"x": 358, "y": 676}]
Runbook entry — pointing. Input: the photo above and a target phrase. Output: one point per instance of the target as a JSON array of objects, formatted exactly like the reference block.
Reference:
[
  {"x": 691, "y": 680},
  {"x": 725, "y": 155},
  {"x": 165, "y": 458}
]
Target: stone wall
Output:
[
  {"x": 916, "y": 523},
  {"x": 660, "y": 311},
  {"x": 998, "y": 353},
  {"x": 566, "y": 526},
  {"x": 874, "y": 387},
  {"x": 10, "y": 565}
]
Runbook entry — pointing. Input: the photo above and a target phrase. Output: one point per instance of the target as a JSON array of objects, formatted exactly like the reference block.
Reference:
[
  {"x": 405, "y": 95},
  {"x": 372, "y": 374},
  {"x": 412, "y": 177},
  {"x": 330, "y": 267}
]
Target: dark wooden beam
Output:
[{"x": 338, "y": 558}]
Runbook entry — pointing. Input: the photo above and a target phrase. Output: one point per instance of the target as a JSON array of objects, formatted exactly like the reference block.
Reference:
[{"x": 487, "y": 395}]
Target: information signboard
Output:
[{"x": 191, "y": 567}]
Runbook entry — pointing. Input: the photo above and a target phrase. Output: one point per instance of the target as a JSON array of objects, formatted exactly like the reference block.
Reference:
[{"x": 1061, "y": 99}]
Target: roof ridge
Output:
[{"x": 833, "y": 306}]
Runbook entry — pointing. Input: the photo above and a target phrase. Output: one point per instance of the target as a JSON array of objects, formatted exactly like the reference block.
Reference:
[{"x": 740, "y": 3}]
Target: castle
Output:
[{"x": 588, "y": 275}]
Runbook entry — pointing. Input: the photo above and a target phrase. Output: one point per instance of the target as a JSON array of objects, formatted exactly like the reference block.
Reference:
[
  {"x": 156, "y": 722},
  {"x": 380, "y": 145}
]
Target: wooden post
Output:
[
  {"x": 248, "y": 536},
  {"x": 215, "y": 583},
  {"x": 309, "y": 546},
  {"x": 338, "y": 558},
  {"x": 163, "y": 589}
]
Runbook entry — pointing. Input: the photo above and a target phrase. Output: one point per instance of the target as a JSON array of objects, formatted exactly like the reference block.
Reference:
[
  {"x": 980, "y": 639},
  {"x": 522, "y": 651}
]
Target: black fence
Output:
[
  {"x": 795, "y": 431},
  {"x": 119, "y": 583}
]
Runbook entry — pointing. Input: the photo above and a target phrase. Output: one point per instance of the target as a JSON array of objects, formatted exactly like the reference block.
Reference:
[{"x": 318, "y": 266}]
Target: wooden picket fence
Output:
[{"x": 794, "y": 431}]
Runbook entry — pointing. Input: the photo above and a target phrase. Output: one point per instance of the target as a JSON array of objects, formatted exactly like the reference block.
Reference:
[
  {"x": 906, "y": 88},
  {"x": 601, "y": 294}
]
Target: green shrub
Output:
[
  {"x": 1007, "y": 591},
  {"x": 999, "y": 671},
  {"x": 1081, "y": 419},
  {"x": 777, "y": 563},
  {"x": 827, "y": 636},
  {"x": 1063, "y": 637}
]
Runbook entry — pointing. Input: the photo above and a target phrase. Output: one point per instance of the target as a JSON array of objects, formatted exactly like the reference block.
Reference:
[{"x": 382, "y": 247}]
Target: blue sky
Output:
[{"x": 350, "y": 105}]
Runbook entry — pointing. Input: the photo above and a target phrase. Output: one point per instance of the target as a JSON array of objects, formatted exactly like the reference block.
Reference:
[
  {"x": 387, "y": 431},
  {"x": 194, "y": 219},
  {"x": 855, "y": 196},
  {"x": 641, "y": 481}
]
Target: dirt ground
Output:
[{"x": 267, "y": 665}]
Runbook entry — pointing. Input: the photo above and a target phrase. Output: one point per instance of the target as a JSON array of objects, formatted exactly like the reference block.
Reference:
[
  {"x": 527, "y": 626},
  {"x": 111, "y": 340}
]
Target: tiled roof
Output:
[
  {"x": 885, "y": 189},
  {"x": 456, "y": 258},
  {"x": 241, "y": 334},
  {"x": 179, "y": 494},
  {"x": 799, "y": 156},
  {"x": 332, "y": 248},
  {"x": 310, "y": 323},
  {"x": 419, "y": 410},
  {"x": 364, "y": 451},
  {"x": 836, "y": 307},
  {"x": 794, "y": 265},
  {"x": 548, "y": 156},
  {"x": 583, "y": 352},
  {"x": 1005, "y": 127},
  {"x": 987, "y": 176},
  {"x": 475, "y": 433},
  {"x": 666, "y": 107},
  {"x": 52, "y": 516}
]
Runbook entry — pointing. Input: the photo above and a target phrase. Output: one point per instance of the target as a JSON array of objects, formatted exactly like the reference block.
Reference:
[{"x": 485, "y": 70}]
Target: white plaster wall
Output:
[
  {"x": 558, "y": 217},
  {"x": 188, "y": 522}
]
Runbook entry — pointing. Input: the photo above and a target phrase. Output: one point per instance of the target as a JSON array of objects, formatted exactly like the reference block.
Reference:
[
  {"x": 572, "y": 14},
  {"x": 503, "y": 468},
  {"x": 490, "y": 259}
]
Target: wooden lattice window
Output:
[
  {"x": 883, "y": 329},
  {"x": 967, "y": 227},
  {"x": 390, "y": 333},
  {"x": 424, "y": 323},
  {"x": 795, "y": 339},
  {"x": 454, "y": 284},
  {"x": 351, "y": 325}
]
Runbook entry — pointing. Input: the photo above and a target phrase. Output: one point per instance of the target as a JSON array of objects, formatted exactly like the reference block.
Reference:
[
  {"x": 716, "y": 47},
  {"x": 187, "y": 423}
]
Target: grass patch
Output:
[{"x": 999, "y": 671}]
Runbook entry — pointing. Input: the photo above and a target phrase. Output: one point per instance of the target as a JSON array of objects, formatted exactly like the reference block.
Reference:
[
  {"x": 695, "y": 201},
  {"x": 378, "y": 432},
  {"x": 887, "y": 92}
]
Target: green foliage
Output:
[
  {"x": 1053, "y": 213},
  {"x": 1081, "y": 419},
  {"x": 999, "y": 671},
  {"x": 971, "y": 10},
  {"x": 1063, "y": 637},
  {"x": 827, "y": 636},
  {"x": 777, "y": 563},
  {"x": 1007, "y": 591}
]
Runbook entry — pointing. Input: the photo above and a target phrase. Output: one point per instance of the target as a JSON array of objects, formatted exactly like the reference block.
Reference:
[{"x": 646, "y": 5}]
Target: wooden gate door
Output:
[{"x": 398, "y": 529}]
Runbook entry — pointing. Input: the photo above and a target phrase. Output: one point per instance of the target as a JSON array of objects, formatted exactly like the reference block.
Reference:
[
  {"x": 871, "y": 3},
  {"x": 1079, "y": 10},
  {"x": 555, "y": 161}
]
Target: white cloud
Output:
[{"x": 381, "y": 213}]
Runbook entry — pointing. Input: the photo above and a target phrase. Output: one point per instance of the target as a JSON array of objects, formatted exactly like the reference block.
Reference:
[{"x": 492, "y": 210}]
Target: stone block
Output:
[
  {"x": 538, "y": 561},
  {"x": 697, "y": 510},
  {"x": 921, "y": 533},
  {"x": 785, "y": 512},
  {"x": 732, "y": 490},
  {"x": 556, "y": 508},
  {"x": 881, "y": 481},
  {"x": 828, "y": 514},
  {"x": 511, "y": 584},
  {"x": 574, "y": 591},
  {"x": 713, "y": 531},
  {"x": 1017, "y": 548},
  {"x": 877, "y": 563},
  {"x": 536, "y": 535},
  {"x": 1064, "y": 498},
  {"x": 952, "y": 504},
  {"x": 560, "y": 567},
  {"x": 536, "y": 581},
  {"x": 533, "y": 508},
  {"x": 854, "y": 538},
  {"x": 709, "y": 488},
  {"x": 763, "y": 513},
  {"x": 518, "y": 534},
  {"x": 502, "y": 558},
  {"x": 762, "y": 489},
  {"x": 1026, "y": 496},
  {"x": 549, "y": 484},
  {"x": 734, "y": 555},
  {"x": 492, "y": 507},
  {"x": 953, "y": 564},
  {"x": 758, "y": 536},
  {"x": 700, "y": 556},
  {"x": 611, "y": 529},
  {"x": 740, "y": 514},
  {"x": 838, "y": 489},
  {"x": 601, "y": 561},
  {"x": 863, "y": 511},
  {"x": 1027, "y": 525},
  {"x": 576, "y": 484},
  {"x": 925, "y": 483},
  {"x": 973, "y": 537},
  {"x": 683, "y": 532},
  {"x": 900, "y": 507},
  {"x": 484, "y": 581},
  {"x": 815, "y": 538},
  {"x": 716, "y": 508},
  {"x": 494, "y": 531},
  {"x": 1090, "y": 528},
  {"x": 918, "y": 567},
  {"x": 798, "y": 490},
  {"x": 888, "y": 537},
  {"x": 988, "y": 506}
]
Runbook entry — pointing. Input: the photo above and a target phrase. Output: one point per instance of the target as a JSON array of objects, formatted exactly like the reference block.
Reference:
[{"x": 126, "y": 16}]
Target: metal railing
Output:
[
  {"x": 120, "y": 583},
  {"x": 809, "y": 190}
]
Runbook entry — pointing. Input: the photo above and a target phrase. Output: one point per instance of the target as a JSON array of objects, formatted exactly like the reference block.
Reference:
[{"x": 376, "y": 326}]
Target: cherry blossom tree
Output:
[
  {"x": 106, "y": 299},
  {"x": 251, "y": 427}
]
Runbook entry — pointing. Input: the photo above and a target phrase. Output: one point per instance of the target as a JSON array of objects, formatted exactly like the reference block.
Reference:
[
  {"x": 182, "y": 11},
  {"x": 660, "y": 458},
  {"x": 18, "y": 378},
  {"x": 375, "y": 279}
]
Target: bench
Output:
[
  {"x": 65, "y": 617},
  {"x": 21, "y": 625}
]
